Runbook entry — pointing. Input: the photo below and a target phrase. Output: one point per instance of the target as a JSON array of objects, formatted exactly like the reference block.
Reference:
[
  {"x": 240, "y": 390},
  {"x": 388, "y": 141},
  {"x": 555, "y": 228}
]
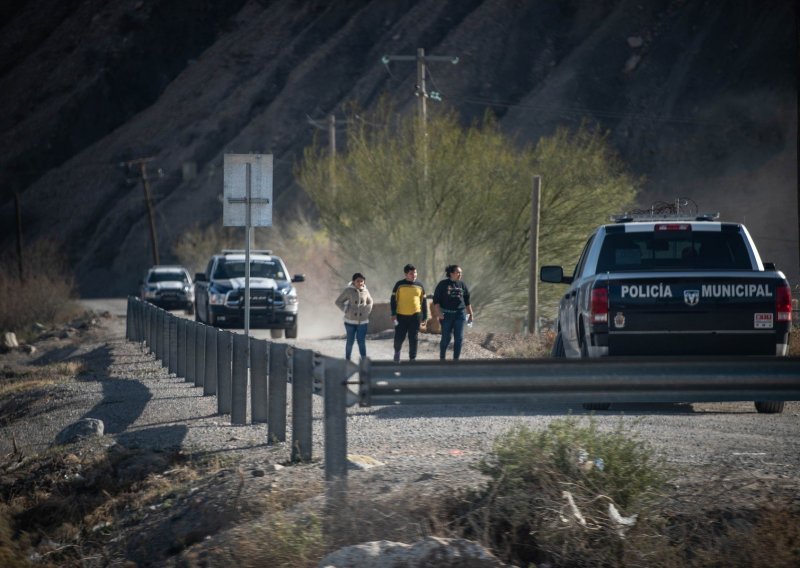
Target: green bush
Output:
[
  {"x": 449, "y": 194},
  {"x": 550, "y": 492}
]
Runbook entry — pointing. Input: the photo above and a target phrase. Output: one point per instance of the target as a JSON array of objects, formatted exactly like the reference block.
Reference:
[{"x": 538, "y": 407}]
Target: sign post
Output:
[{"x": 247, "y": 203}]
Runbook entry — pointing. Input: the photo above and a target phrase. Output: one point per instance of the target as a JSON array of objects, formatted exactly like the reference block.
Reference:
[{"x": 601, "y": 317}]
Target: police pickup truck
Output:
[
  {"x": 672, "y": 285},
  {"x": 220, "y": 292}
]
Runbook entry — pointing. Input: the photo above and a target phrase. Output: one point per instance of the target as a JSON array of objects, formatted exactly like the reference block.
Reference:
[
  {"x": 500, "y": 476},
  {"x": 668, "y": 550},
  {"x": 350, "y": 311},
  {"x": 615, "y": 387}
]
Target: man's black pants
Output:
[{"x": 407, "y": 325}]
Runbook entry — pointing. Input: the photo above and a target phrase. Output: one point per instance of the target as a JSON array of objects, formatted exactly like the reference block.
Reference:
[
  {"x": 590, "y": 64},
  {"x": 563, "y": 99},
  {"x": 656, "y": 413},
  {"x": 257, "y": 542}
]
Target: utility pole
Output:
[
  {"x": 533, "y": 277},
  {"x": 332, "y": 151},
  {"x": 421, "y": 91},
  {"x": 19, "y": 236},
  {"x": 331, "y": 128},
  {"x": 142, "y": 163}
]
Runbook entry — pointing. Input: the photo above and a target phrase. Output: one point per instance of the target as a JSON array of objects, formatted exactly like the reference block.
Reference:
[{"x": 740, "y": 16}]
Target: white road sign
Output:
[{"x": 247, "y": 181}]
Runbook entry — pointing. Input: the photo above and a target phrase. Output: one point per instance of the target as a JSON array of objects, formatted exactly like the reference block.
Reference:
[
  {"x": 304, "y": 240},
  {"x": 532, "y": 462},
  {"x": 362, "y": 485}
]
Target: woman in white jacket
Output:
[{"x": 356, "y": 303}]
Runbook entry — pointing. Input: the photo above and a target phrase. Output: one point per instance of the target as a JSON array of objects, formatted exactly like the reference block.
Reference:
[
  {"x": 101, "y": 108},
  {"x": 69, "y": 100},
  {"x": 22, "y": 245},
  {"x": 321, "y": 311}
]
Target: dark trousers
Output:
[
  {"x": 452, "y": 324},
  {"x": 407, "y": 325}
]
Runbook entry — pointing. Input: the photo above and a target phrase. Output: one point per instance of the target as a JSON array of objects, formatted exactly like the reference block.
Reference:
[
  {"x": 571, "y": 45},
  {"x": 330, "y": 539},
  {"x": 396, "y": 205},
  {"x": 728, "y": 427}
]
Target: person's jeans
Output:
[
  {"x": 355, "y": 332},
  {"x": 453, "y": 323},
  {"x": 407, "y": 325}
]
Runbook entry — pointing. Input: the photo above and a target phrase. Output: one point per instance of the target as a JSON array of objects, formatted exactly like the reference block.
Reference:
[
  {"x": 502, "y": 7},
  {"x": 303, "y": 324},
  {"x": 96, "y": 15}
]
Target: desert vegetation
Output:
[
  {"x": 42, "y": 295},
  {"x": 567, "y": 495},
  {"x": 440, "y": 193}
]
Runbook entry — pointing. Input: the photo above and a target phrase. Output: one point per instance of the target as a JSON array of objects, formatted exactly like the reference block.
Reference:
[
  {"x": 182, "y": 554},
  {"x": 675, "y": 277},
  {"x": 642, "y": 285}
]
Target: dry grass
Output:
[
  {"x": 44, "y": 296},
  {"x": 519, "y": 345},
  {"x": 794, "y": 341}
]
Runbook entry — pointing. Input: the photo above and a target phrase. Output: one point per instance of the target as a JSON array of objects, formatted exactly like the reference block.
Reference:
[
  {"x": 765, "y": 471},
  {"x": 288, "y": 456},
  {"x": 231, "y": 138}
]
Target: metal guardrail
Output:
[
  {"x": 216, "y": 361},
  {"x": 606, "y": 380}
]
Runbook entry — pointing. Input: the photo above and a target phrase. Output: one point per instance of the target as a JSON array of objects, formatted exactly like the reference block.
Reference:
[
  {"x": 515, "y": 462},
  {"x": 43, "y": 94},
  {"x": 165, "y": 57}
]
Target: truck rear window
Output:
[{"x": 682, "y": 250}]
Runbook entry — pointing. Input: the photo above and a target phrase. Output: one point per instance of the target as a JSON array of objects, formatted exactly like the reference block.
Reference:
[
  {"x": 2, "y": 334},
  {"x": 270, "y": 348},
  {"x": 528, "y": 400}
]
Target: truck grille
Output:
[{"x": 259, "y": 298}]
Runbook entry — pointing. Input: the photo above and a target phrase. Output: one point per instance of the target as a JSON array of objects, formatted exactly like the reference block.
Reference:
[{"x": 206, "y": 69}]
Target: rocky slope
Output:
[{"x": 700, "y": 97}]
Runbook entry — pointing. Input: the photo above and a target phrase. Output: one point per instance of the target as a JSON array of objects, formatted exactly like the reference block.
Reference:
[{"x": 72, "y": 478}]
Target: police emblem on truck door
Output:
[{"x": 691, "y": 297}]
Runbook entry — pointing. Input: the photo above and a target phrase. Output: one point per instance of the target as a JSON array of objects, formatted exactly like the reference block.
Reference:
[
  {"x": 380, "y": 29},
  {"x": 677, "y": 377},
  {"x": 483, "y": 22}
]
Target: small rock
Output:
[
  {"x": 84, "y": 428},
  {"x": 635, "y": 41},
  {"x": 432, "y": 551},
  {"x": 26, "y": 348},
  {"x": 632, "y": 62},
  {"x": 10, "y": 340},
  {"x": 356, "y": 461}
]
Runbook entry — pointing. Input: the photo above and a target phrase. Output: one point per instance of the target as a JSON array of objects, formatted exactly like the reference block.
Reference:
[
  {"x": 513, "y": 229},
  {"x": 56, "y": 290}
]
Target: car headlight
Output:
[
  {"x": 216, "y": 298},
  {"x": 291, "y": 296},
  {"x": 150, "y": 292}
]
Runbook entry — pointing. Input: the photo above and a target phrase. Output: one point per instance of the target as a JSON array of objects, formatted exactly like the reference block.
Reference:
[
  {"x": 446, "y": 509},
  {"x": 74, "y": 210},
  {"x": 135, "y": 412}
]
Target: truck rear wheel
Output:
[
  {"x": 291, "y": 332},
  {"x": 769, "y": 406},
  {"x": 558, "y": 347},
  {"x": 276, "y": 333},
  {"x": 596, "y": 405}
]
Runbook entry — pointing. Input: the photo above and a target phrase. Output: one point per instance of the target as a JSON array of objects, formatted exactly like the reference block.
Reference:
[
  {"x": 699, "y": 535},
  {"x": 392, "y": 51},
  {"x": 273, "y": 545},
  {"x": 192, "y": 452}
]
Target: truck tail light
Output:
[
  {"x": 783, "y": 302},
  {"x": 673, "y": 227},
  {"x": 599, "y": 307}
]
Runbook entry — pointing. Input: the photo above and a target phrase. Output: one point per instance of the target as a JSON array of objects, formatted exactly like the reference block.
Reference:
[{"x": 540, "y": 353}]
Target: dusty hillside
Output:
[{"x": 700, "y": 97}]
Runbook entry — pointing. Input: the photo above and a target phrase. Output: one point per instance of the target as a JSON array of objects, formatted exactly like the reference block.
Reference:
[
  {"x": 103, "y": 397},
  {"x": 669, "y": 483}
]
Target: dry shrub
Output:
[
  {"x": 794, "y": 342},
  {"x": 773, "y": 540},
  {"x": 549, "y": 497},
  {"x": 57, "y": 503},
  {"x": 520, "y": 345},
  {"x": 45, "y": 295}
]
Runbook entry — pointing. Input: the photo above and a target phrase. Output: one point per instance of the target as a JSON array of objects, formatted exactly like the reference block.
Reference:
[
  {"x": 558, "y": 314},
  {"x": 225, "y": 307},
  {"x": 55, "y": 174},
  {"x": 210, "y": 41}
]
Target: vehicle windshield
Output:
[
  {"x": 163, "y": 276},
  {"x": 258, "y": 269},
  {"x": 679, "y": 250}
]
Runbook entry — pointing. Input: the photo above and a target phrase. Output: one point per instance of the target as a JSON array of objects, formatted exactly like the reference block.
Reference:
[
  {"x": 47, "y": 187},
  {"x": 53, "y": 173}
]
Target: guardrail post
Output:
[
  {"x": 128, "y": 322},
  {"x": 160, "y": 335},
  {"x": 181, "y": 346},
  {"x": 173, "y": 345},
  {"x": 210, "y": 378},
  {"x": 239, "y": 379},
  {"x": 276, "y": 399},
  {"x": 258, "y": 380},
  {"x": 200, "y": 355},
  {"x": 224, "y": 358},
  {"x": 302, "y": 404},
  {"x": 191, "y": 346},
  {"x": 335, "y": 420},
  {"x": 148, "y": 338},
  {"x": 151, "y": 342}
]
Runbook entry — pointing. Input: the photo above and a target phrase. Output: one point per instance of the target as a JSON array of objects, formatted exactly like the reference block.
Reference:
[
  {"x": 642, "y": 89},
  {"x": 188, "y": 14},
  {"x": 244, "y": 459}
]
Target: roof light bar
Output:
[{"x": 630, "y": 217}]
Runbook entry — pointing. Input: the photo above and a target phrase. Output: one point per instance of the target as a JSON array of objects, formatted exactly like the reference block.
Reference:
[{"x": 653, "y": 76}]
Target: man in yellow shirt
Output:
[{"x": 409, "y": 310}]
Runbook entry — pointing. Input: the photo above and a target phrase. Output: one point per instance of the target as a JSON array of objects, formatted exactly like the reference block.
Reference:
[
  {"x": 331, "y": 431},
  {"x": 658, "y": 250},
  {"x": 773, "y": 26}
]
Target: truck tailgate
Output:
[{"x": 701, "y": 313}]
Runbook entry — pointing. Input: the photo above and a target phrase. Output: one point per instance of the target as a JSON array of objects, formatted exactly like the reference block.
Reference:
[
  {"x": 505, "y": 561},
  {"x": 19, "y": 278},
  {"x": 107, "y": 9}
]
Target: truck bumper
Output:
[
  {"x": 696, "y": 343},
  {"x": 258, "y": 318}
]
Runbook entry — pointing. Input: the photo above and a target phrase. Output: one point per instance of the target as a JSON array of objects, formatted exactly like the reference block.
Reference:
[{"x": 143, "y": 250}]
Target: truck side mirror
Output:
[
  {"x": 554, "y": 275},
  {"x": 299, "y": 278},
  {"x": 770, "y": 266},
  {"x": 200, "y": 277}
]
